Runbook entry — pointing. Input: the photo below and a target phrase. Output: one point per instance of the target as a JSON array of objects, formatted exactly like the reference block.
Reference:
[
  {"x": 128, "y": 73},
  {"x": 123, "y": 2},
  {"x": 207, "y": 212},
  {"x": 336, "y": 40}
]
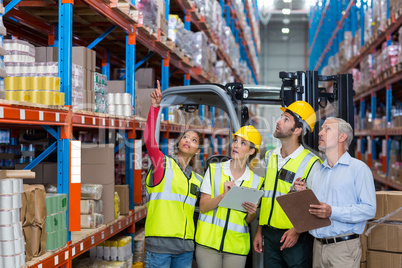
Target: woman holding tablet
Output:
[{"x": 222, "y": 237}]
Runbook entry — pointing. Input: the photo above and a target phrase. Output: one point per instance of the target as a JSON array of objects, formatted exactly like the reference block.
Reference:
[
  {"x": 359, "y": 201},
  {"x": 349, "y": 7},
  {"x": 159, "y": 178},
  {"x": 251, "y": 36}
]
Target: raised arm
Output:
[{"x": 154, "y": 153}]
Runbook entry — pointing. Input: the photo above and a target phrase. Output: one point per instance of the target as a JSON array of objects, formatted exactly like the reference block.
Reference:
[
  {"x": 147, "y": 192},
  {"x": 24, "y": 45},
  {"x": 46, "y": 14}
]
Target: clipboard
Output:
[
  {"x": 237, "y": 195},
  {"x": 296, "y": 206}
]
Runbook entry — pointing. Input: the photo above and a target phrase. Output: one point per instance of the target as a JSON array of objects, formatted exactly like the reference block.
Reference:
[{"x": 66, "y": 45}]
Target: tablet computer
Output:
[{"x": 237, "y": 195}]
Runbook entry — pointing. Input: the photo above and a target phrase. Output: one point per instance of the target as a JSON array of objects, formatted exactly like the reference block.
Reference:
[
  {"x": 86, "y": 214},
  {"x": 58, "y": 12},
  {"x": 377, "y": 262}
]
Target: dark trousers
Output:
[{"x": 300, "y": 255}]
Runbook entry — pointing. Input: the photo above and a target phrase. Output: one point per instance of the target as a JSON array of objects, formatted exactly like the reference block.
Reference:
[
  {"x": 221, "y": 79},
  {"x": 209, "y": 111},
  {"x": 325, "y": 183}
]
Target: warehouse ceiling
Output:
[{"x": 284, "y": 10}]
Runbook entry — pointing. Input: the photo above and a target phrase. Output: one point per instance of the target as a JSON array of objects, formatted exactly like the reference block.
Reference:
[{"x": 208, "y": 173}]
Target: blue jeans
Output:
[{"x": 160, "y": 260}]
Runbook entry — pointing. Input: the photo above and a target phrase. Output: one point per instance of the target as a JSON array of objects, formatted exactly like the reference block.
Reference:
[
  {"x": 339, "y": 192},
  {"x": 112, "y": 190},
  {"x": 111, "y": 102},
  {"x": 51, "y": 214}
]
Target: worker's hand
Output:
[
  {"x": 321, "y": 211},
  {"x": 156, "y": 96},
  {"x": 299, "y": 184},
  {"x": 289, "y": 238},
  {"x": 228, "y": 185},
  {"x": 258, "y": 246},
  {"x": 250, "y": 207}
]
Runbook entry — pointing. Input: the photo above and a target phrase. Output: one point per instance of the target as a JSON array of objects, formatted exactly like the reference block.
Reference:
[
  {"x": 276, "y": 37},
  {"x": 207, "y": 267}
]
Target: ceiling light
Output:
[
  {"x": 286, "y": 21},
  {"x": 287, "y": 1},
  {"x": 286, "y": 11},
  {"x": 285, "y": 30}
]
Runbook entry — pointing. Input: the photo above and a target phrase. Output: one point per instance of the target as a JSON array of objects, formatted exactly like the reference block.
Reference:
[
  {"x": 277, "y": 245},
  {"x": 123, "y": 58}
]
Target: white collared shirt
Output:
[
  {"x": 282, "y": 161},
  {"x": 206, "y": 183}
]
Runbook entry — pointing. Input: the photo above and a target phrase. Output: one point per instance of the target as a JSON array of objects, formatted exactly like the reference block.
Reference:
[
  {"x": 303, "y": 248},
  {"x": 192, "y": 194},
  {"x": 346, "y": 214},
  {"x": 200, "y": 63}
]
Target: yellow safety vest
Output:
[
  {"x": 278, "y": 183},
  {"x": 224, "y": 229},
  {"x": 171, "y": 203}
]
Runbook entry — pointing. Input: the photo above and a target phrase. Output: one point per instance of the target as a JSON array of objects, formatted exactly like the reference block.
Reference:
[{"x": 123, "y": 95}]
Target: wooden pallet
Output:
[
  {"x": 178, "y": 52},
  {"x": 148, "y": 31},
  {"x": 125, "y": 8},
  {"x": 171, "y": 45},
  {"x": 34, "y": 105}
]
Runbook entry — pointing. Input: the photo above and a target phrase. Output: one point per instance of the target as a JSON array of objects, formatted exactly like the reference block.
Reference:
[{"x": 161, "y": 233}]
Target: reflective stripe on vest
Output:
[
  {"x": 173, "y": 197},
  {"x": 171, "y": 204},
  {"x": 223, "y": 229},
  {"x": 271, "y": 212}
]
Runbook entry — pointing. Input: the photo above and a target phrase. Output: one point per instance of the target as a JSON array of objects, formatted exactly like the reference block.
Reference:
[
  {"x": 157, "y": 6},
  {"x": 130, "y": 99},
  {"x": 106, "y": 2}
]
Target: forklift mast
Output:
[{"x": 305, "y": 86}]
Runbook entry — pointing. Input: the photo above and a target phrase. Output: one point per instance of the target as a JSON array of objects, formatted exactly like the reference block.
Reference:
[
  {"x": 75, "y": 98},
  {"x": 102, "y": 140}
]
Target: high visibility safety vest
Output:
[
  {"x": 171, "y": 203},
  {"x": 224, "y": 229},
  {"x": 278, "y": 183}
]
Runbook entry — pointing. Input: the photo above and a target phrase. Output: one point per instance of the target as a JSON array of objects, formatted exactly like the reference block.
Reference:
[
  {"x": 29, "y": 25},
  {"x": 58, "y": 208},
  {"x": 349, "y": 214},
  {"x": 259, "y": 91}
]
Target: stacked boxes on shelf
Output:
[
  {"x": 212, "y": 11},
  {"x": 86, "y": 58},
  {"x": 56, "y": 207},
  {"x": 384, "y": 247},
  {"x": 12, "y": 248},
  {"x": 84, "y": 64},
  {"x": 3, "y": 53},
  {"x": 161, "y": 22},
  {"x": 91, "y": 206},
  {"x": 101, "y": 90},
  {"x": 33, "y": 217}
]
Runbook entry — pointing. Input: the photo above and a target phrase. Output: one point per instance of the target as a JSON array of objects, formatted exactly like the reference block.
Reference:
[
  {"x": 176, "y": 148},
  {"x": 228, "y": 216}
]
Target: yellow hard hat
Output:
[
  {"x": 251, "y": 134},
  {"x": 304, "y": 111}
]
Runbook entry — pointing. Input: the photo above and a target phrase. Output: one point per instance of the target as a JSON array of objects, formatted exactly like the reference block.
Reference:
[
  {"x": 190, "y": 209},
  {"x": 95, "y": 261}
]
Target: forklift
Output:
[{"x": 301, "y": 85}]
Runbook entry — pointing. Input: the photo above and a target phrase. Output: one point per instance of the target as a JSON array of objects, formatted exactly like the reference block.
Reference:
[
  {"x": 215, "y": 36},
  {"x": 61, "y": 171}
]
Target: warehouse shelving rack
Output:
[
  {"x": 335, "y": 19},
  {"x": 60, "y": 121}
]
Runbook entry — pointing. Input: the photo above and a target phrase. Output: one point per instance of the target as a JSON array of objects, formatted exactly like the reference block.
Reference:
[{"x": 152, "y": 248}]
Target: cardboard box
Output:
[
  {"x": 89, "y": 66},
  {"x": 386, "y": 237},
  {"x": 97, "y": 164},
  {"x": 80, "y": 56},
  {"x": 116, "y": 86},
  {"x": 122, "y": 190},
  {"x": 89, "y": 79},
  {"x": 108, "y": 202},
  {"x": 145, "y": 78},
  {"x": 93, "y": 64},
  {"x": 45, "y": 172},
  {"x": 52, "y": 54},
  {"x": 143, "y": 100},
  {"x": 40, "y": 54},
  {"x": 387, "y": 202},
  {"x": 377, "y": 259}
]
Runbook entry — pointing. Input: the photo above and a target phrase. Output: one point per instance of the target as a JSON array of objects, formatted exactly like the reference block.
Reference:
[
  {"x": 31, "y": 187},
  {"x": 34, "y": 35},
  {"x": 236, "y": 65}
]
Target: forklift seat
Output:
[{"x": 215, "y": 159}]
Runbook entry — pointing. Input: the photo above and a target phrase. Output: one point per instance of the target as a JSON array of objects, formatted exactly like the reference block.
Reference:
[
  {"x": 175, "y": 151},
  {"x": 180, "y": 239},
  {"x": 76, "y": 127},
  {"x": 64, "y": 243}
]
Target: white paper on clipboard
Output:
[{"x": 237, "y": 195}]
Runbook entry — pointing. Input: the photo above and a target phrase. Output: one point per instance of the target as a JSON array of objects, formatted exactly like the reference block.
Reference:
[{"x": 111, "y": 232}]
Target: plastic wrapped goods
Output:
[
  {"x": 91, "y": 191},
  {"x": 148, "y": 11},
  {"x": 187, "y": 42},
  {"x": 91, "y": 220},
  {"x": 91, "y": 206},
  {"x": 200, "y": 49}
]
